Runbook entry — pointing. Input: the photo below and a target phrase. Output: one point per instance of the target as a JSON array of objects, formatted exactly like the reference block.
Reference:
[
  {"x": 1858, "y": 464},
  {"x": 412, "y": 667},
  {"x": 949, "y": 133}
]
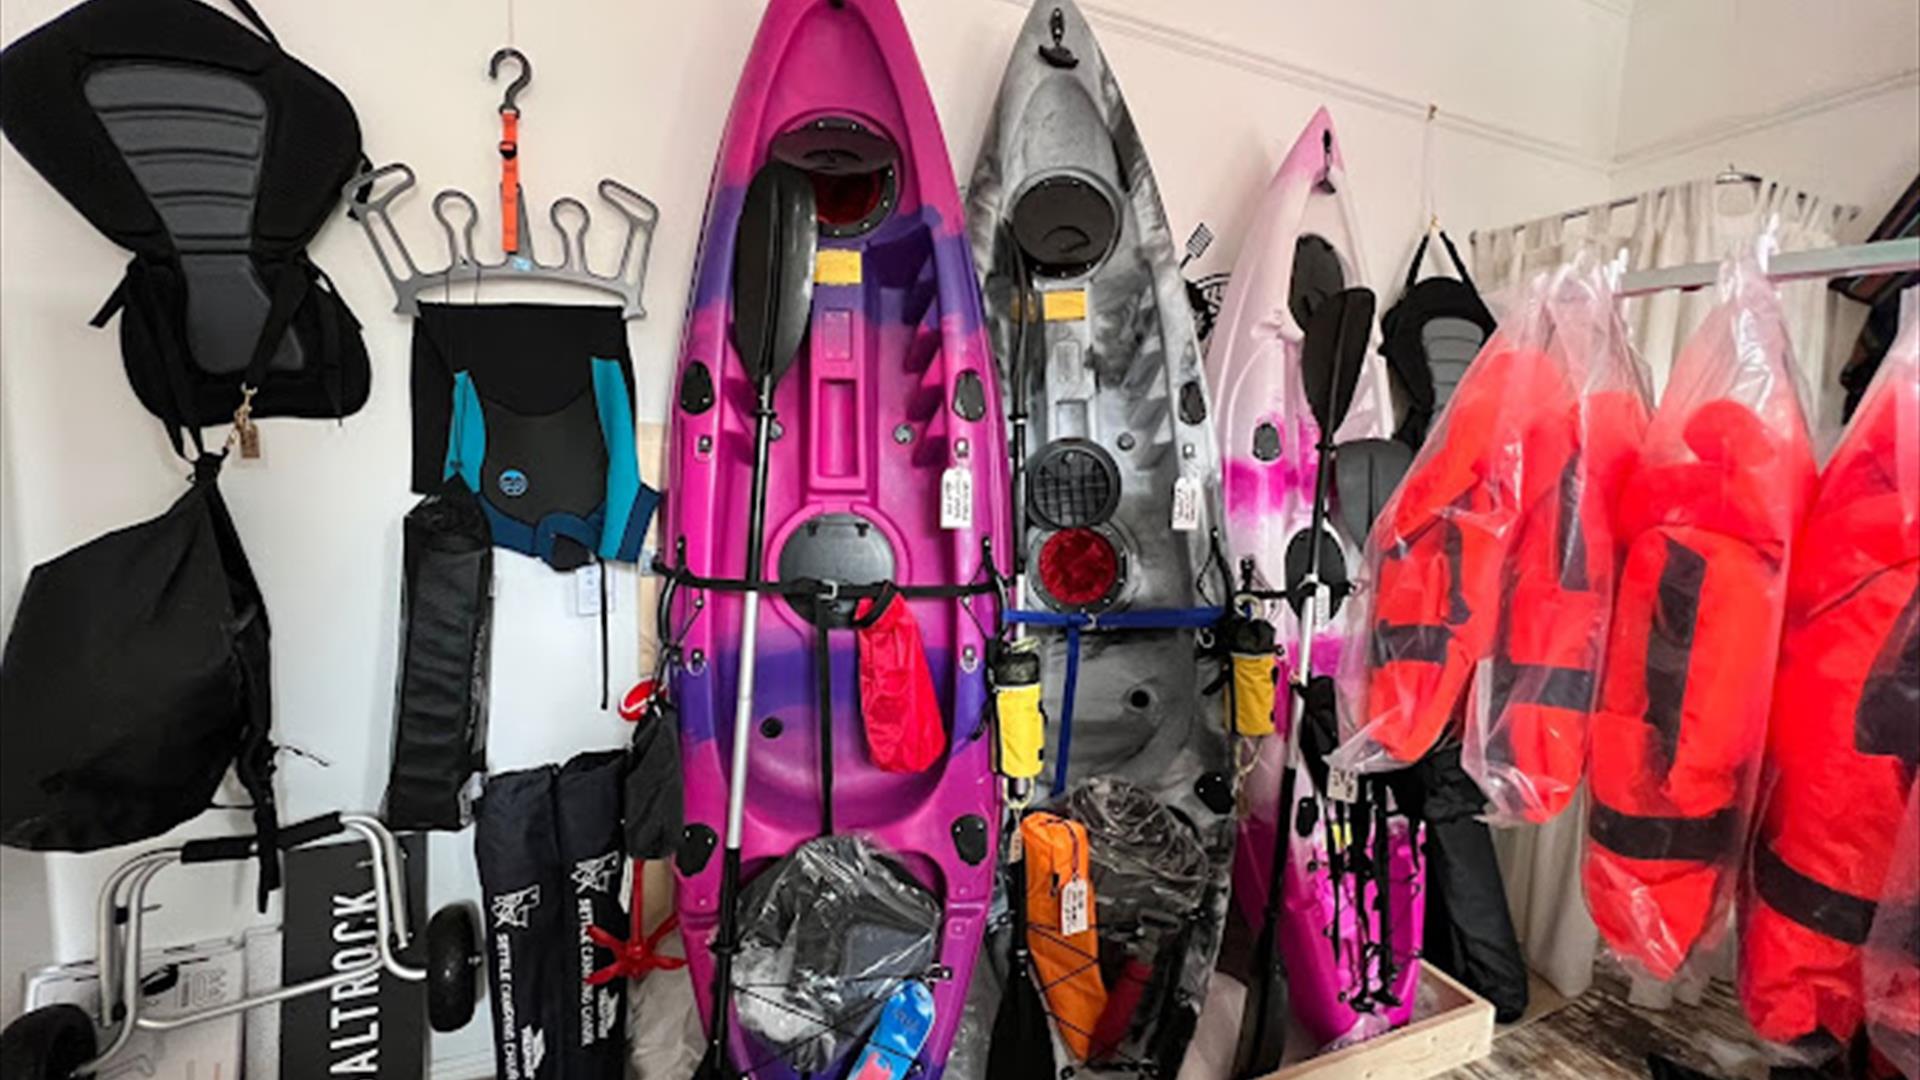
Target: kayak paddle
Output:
[
  {"x": 1337, "y": 334},
  {"x": 773, "y": 257}
]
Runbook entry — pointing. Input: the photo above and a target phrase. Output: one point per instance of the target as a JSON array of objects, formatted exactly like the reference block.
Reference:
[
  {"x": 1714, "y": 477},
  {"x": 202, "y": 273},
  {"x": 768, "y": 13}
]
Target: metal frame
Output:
[
  {"x": 1879, "y": 257},
  {"x": 122, "y": 917}
]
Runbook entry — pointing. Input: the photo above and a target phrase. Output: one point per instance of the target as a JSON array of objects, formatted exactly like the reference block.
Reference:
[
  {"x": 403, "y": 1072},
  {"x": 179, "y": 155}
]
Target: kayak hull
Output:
[
  {"x": 1119, "y": 462},
  {"x": 1269, "y": 443},
  {"x": 893, "y": 391}
]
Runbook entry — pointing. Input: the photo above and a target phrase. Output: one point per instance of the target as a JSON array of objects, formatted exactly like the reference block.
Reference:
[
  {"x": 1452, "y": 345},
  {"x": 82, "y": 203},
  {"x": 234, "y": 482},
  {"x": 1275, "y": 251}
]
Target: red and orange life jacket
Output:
[
  {"x": 1709, "y": 515},
  {"x": 1495, "y": 561},
  {"x": 1444, "y": 538},
  {"x": 1845, "y": 737}
]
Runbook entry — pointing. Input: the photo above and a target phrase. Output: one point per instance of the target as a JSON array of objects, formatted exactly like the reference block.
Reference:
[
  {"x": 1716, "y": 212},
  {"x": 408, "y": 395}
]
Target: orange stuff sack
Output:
[{"x": 1067, "y": 966}]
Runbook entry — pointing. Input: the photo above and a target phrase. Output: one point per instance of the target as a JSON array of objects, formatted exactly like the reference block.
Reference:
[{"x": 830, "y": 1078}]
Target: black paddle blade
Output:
[
  {"x": 1263, "y": 1026},
  {"x": 1335, "y": 349},
  {"x": 1365, "y": 472},
  {"x": 1332, "y": 570},
  {"x": 773, "y": 254},
  {"x": 715, "y": 1065}
]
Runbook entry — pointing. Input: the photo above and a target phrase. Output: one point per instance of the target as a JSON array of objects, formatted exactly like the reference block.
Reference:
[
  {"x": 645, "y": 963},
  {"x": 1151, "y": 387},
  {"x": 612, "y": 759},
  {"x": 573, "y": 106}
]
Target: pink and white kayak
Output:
[{"x": 1303, "y": 247}]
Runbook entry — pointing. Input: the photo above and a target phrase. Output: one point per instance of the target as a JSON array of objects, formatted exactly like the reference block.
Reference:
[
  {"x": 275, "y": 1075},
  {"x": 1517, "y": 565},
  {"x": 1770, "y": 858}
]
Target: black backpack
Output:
[
  {"x": 1430, "y": 336},
  {"x": 214, "y": 157},
  {"x": 135, "y": 675}
]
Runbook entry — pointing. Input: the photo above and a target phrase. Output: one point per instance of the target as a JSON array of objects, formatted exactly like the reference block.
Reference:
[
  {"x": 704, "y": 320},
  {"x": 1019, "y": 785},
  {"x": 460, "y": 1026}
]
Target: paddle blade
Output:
[
  {"x": 1365, "y": 472},
  {"x": 1335, "y": 350},
  {"x": 1021, "y": 1047},
  {"x": 773, "y": 254},
  {"x": 1263, "y": 1026},
  {"x": 715, "y": 1065}
]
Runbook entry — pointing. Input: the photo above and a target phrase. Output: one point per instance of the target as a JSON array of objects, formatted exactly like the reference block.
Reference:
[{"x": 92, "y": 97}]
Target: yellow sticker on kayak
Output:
[
  {"x": 837, "y": 266},
  {"x": 1069, "y": 305}
]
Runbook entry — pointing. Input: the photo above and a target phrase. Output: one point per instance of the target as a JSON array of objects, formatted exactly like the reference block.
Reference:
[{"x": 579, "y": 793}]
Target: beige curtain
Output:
[{"x": 1701, "y": 221}]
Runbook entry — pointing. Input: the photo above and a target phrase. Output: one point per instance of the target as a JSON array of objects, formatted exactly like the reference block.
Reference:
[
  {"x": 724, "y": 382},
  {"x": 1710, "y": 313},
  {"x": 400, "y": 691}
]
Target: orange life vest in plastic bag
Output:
[
  {"x": 1845, "y": 737},
  {"x": 1529, "y": 752},
  {"x": 1709, "y": 515},
  {"x": 1067, "y": 966},
  {"x": 1443, "y": 539}
]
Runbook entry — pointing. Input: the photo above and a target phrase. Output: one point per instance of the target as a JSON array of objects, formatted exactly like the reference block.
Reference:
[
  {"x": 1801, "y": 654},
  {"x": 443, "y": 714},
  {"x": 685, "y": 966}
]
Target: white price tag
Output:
[
  {"x": 1016, "y": 846},
  {"x": 956, "y": 498},
  {"x": 1186, "y": 504},
  {"x": 1342, "y": 786},
  {"x": 1073, "y": 907},
  {"x": 586, "y": 590}
]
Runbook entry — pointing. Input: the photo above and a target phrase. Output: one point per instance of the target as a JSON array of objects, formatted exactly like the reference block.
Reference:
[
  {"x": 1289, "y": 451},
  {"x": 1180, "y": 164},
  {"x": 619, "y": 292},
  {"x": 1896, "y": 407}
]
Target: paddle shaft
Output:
[
  {"x": 1019, "y": 790},
  {"x": 724, "y": 946},
  {"x": 1264, "y": 949}
]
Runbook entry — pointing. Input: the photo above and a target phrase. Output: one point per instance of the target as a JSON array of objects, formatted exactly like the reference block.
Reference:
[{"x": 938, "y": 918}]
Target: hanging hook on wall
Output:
[
  {"x": 512, "y": 214},
  {"x": 511, "y": 102},
  {"x": 371, "y": 194}
]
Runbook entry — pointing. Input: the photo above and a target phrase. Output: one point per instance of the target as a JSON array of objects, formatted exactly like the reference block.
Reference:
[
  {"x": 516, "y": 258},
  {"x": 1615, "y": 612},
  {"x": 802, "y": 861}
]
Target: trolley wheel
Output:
[
  {"x": 453, "y": 962},
  {"x": 47, "y": 1044}
]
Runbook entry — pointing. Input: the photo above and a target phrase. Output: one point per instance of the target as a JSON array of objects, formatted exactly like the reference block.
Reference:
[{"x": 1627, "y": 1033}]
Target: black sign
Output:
[{"x": 373, "y": 1026}]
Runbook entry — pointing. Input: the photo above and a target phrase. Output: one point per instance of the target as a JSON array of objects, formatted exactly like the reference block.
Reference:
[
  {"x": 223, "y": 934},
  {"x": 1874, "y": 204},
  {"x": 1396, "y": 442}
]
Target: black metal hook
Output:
[
  {"x": 1057, "y": 54},
  {"x": 511, "y": 102}
]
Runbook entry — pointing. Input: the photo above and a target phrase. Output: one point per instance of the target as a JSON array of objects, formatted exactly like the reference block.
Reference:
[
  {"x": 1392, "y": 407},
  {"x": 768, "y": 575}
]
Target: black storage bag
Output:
[
  {"x": 214, "y": 157},
  {"x": 136, "y": 674},
  {"x": 587, "y": 796},
  {"x": 440, "y": 732},
  {"x": 653, "y": 784},
  {"x": 1469, "y": 931},
  {"x": 529, "y": 932}
]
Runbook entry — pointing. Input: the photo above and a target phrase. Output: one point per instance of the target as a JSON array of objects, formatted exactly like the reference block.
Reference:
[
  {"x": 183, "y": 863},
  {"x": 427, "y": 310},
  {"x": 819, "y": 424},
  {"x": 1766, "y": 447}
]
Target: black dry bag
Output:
[{"x": 136, "y": 674}]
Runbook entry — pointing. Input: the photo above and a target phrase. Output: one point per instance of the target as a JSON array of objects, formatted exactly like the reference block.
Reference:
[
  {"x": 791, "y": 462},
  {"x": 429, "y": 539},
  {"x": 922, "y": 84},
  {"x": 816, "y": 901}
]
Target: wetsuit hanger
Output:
[{"x": 371, "y": 195}]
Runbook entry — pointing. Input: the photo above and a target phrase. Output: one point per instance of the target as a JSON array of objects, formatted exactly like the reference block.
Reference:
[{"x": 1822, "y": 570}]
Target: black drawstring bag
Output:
[{"x": 136, "y": 674}]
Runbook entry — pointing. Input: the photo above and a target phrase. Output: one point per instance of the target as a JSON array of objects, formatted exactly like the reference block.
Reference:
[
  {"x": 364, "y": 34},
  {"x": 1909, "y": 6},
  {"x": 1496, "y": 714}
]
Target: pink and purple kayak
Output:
[{"x": 888, "y": 466}]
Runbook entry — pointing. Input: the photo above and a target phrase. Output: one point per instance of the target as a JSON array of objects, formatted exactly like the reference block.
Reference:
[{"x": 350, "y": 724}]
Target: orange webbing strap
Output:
[{"x": 510, "y": 181}]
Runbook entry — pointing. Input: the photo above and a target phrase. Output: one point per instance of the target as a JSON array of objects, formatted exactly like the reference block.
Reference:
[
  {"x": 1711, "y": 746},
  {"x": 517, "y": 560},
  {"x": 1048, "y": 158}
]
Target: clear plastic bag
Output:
[
  {"x": 827, "y": 935},
  {"x": 1844, "y": 731},
  {"x": 1890, "y": 964},
  {"x": 1489, "y": 573},
  {"x": 1708, "y": 518},
  {"x": 1525, "y": 737},
  {"x": 1147, "y": 863}
]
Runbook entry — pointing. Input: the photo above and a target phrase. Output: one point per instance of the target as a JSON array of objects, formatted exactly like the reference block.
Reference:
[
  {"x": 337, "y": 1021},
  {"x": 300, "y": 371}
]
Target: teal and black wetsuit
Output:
[{"x": 532, "y": 406}]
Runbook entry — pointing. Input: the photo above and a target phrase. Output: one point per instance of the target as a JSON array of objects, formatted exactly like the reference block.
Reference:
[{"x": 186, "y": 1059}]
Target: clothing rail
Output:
[{"x": 1879, "y": 257}]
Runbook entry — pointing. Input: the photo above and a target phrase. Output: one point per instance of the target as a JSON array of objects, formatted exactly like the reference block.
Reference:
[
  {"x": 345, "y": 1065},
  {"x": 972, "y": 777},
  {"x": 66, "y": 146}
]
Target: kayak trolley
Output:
[{"x": 60, "y": 1041}]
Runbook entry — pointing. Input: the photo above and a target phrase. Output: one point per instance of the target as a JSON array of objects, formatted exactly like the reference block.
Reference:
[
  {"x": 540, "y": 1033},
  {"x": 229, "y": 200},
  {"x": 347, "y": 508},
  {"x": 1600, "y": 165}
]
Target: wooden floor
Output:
[{"x": 1599, "y": 1036}]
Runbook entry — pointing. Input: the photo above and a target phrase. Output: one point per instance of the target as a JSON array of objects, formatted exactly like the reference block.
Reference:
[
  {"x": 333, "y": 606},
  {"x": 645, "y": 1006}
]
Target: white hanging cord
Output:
[{"x": 1429, "y": 211}]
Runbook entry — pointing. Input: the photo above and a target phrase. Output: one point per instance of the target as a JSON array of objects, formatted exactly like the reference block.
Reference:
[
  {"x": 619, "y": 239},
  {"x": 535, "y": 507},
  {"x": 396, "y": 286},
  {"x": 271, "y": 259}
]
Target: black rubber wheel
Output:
[
  {"x": 453, "y": 961},
  {"x": 47, "y": 1044}
]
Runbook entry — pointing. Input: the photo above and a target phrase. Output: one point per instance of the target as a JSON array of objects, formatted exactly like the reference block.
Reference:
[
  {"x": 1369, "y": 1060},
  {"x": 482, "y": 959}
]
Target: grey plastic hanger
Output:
[
  {"x": 369, "y": 205},
  {"x": 369, "y": 196}
]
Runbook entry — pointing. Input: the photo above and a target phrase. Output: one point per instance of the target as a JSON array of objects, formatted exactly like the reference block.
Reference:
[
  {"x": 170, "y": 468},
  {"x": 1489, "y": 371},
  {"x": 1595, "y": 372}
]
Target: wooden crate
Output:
[{"x": 1452, "y": 1026}]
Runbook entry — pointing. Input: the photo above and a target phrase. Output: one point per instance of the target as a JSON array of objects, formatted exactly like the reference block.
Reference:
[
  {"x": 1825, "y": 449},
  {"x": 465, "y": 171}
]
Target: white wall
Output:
[
  {"x": 1824, "y": 97},
  {"x": 639, "y": 91}
]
